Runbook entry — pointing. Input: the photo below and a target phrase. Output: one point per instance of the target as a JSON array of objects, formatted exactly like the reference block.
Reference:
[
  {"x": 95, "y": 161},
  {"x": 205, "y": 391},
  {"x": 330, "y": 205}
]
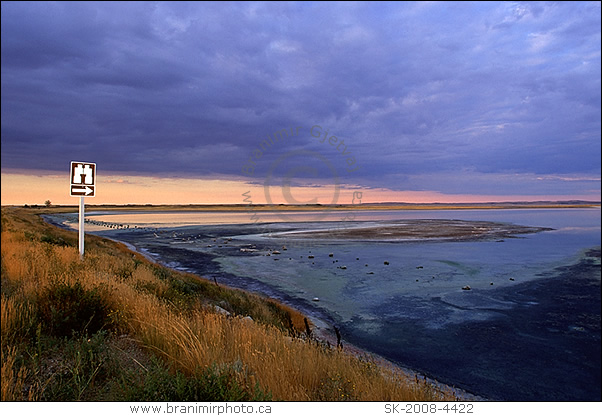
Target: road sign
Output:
[
  {"x": 83, "y": 179},
  {"x": 82, "y": 183},
  {"x": 82, "y": 190}
]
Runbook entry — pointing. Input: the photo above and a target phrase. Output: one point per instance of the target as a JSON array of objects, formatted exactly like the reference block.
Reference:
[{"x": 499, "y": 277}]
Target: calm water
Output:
[{"x": 529, "y": 328}]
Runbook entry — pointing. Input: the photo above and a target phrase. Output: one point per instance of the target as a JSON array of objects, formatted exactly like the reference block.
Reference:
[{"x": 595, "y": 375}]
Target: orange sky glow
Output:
[{"x": 22, "y": 188}]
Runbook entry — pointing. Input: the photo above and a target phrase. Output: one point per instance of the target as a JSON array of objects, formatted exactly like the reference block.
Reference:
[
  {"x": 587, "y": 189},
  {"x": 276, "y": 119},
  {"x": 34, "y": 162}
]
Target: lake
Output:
[{"x": 528, "y": 329}]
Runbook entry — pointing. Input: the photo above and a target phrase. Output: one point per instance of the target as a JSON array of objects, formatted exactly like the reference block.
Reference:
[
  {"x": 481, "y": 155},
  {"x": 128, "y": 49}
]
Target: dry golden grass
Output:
[
  {"x": 13, "y": 380},
  {"x": 16, "y": 319},
  {"x": 290, "y": 369},
  {"x": 184, "y": 331}
]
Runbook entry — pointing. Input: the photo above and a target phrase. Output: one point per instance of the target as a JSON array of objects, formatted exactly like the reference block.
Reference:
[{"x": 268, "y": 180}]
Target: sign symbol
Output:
[
  {"x": 82, "y": 191},
  {"x": 83, "y": 170},
  {"x": 83, "y": 178}
]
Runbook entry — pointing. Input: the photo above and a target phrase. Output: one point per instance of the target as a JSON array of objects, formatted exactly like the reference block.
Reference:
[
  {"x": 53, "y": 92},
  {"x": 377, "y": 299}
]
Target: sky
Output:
[{"x": 301, "y": 102}]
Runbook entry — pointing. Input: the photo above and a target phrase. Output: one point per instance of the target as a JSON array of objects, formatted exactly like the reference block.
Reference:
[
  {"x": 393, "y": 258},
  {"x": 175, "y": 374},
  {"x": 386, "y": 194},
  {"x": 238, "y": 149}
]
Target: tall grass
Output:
[{"x": 49, "y": 293}]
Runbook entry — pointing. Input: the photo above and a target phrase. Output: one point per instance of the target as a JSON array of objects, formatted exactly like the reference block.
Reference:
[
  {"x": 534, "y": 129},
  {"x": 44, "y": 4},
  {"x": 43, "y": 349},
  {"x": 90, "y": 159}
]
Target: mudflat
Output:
[{"x": 417, "y": 229}]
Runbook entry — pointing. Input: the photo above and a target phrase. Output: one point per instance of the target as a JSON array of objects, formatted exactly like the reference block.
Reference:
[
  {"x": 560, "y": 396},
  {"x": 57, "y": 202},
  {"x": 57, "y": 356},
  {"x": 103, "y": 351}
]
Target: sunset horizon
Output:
[{"x": 31, "y": 189}]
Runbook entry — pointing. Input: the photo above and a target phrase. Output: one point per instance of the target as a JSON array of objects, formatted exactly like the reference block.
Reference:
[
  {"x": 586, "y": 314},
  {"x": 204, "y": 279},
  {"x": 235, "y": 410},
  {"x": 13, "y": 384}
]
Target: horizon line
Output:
[{"x": 352, "y": 205}]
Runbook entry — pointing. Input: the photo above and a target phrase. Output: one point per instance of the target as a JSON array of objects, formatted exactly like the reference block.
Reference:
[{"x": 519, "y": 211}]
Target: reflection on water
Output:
[
  {"x": 528, "y": 328},
  {"x": 172, "y": 219}
]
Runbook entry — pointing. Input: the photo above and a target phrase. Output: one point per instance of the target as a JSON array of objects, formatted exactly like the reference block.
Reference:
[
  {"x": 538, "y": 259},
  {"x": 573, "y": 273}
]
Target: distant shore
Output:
[{"x": 578, "y": 204}]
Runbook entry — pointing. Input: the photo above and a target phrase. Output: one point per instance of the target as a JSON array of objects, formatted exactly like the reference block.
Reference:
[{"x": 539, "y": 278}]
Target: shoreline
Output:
[{"x": 411, "y": 374}]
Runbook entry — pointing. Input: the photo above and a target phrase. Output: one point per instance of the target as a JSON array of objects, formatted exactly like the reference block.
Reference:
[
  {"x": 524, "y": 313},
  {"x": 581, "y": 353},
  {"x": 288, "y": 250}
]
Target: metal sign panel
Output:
[{"x": 83, "y": 179}]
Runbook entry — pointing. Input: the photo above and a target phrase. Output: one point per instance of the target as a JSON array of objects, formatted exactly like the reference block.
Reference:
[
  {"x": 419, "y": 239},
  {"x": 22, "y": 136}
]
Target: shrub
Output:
[
  {"x": 65, "y": 308},
  {"x": 53, "y": 240},
  {"x": 215, "y": 384},
  {"x": 79, "y": 363}
]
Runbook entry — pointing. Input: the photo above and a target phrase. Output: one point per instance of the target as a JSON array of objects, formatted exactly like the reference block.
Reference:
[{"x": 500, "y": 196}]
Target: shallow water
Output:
[{"x": 528, "y": 329}]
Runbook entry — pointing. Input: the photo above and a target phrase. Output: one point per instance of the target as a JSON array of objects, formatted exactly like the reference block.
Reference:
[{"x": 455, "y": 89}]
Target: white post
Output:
[{"x": 81, "y": 226}]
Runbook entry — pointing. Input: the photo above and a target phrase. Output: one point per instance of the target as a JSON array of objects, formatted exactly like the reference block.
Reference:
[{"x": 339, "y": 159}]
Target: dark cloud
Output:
[{"x": 192, "y": 89}]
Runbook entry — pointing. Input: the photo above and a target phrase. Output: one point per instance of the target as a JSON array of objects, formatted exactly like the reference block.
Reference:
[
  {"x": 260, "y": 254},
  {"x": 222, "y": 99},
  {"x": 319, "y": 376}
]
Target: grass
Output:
[{"x": 114, "y": 326}]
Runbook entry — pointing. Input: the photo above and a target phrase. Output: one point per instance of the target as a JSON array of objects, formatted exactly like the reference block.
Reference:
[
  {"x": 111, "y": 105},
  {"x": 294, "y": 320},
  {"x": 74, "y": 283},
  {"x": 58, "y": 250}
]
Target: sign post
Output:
[
  {"x": 81, "y": 226},
  {"x": 82, "y": 184}
]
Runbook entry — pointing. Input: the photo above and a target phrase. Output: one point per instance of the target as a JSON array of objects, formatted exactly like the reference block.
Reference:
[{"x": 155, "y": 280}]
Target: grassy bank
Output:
[{"x": 114, "y": 326}]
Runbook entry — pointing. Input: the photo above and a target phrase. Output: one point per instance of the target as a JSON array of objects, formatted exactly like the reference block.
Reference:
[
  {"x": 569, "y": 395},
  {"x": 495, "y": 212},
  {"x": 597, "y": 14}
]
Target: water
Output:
[{"x": 528, "y": 329}]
